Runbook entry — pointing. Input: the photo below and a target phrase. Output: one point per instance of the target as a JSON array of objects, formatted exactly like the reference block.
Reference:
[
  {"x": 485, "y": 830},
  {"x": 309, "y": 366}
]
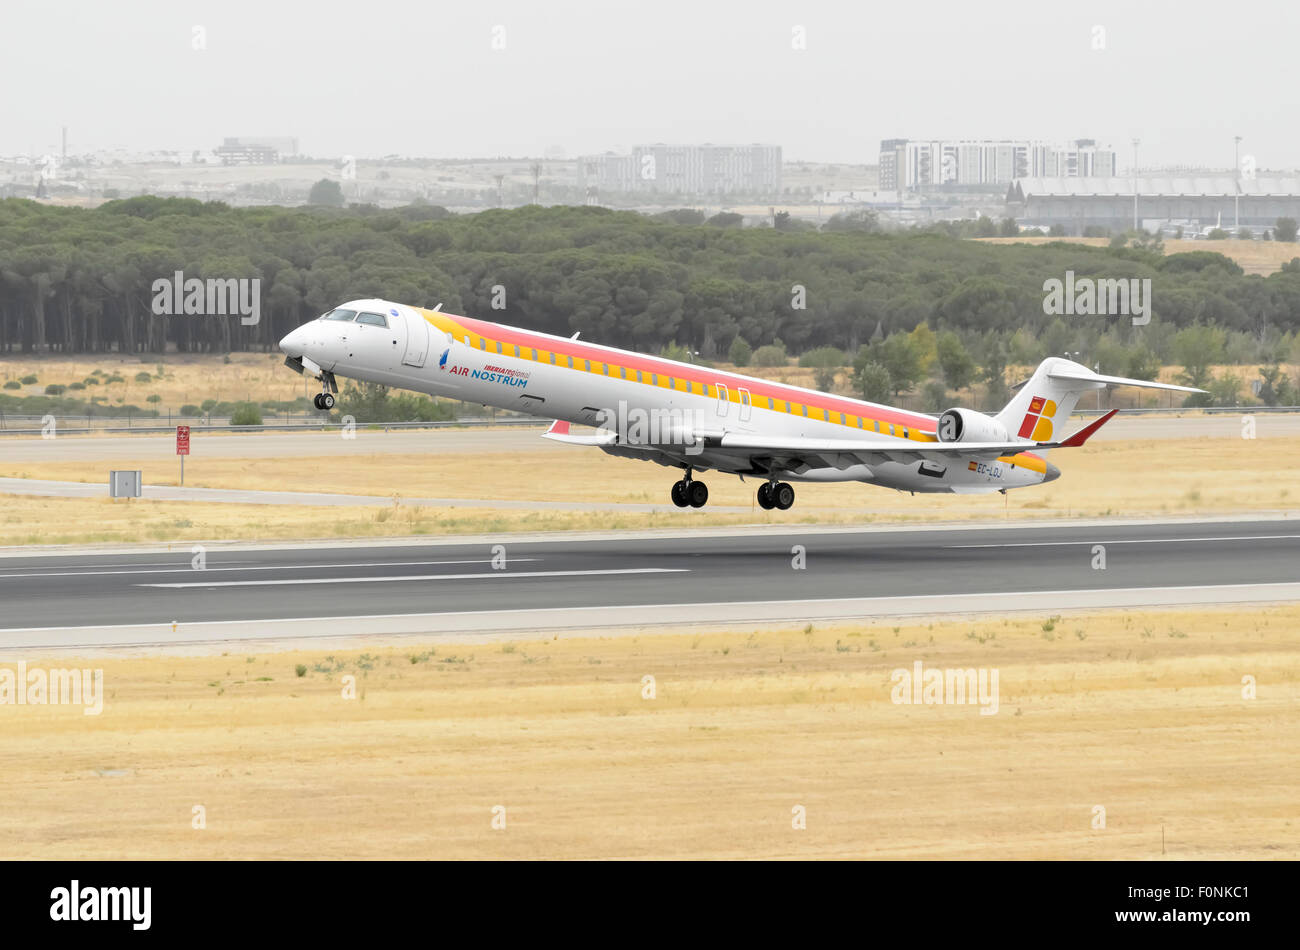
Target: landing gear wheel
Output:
[
  {"x": 782, "y": 495},
  {"x": 679, "y": 494},
  {"x": 765, "y": 497},
  {"x": 697, "y": 494},
  {"x": 316, "y": 401},
  {"x": 327, "y": 400}
]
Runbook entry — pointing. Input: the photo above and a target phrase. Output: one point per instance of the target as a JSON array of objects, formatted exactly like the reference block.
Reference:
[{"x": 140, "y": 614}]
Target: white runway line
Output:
[
  {"x": 281, "y": 567},
  {"x": 426, "y": 577},
  {"x": 1057, "y": 544}
]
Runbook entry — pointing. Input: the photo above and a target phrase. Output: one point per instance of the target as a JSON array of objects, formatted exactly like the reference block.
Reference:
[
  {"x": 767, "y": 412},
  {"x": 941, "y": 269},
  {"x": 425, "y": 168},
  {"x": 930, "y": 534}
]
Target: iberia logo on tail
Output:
[{"x": 1038, "y": 420}]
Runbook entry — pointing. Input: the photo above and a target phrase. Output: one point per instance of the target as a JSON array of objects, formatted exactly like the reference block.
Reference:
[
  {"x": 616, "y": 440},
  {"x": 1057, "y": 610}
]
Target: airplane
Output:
[{"x": 698, "y": 419}]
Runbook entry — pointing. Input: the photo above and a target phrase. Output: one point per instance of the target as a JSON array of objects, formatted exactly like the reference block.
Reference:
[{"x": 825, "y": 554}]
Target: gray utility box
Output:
[{"x": 125, "y": 484}]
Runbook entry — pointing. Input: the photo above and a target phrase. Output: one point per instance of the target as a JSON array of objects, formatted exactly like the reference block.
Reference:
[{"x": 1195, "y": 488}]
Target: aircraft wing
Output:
[
  {"x": 874, "y": 451},
  {"x": 757, "y": 452}
]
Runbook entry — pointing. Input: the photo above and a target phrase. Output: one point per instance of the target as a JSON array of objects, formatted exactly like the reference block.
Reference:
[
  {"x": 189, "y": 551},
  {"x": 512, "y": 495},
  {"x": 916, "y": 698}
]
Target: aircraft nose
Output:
[
  {"x": 1052, "y": 474},
  {"x": 294, "y": 342}
]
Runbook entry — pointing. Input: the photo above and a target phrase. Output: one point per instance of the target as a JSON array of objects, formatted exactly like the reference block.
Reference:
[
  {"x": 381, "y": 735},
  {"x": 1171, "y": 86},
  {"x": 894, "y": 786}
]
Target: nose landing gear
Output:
[{"x": 325, "y": 399}]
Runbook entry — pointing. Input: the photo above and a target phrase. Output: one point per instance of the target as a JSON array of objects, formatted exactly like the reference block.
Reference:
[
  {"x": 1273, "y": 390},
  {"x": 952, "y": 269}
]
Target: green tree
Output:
[
  {"x": 863, "y": 220},
  {"x": 1197, "y": 348},
  {"x": 740, "y": 352},
  {"x": 770, "y": 356},
  {"x": 726, "y": 219},
  {"x": 326, "y": 193},
  {"x": 898, "y": 355},
  {"x": 873, "y": 381},
  {"x": 955, "y": 362},
  {"x": 1285, "y": 229}
]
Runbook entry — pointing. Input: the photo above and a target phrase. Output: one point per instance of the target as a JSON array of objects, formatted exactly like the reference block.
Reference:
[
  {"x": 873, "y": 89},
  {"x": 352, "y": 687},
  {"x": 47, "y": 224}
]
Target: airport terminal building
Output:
[{"x": 1194, "y": 204}]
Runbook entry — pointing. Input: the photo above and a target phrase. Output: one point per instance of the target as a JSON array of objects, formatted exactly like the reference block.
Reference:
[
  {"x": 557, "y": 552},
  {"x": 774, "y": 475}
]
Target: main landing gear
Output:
[
  {"x": 324, "y": 401},
  {"x": 775, "y": 495},
  {"x": 690, "y": 492}
]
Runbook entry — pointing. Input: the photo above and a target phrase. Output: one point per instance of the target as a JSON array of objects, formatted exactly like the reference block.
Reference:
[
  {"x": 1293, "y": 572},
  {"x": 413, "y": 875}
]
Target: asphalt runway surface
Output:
[{"x": 313, "y": 592}]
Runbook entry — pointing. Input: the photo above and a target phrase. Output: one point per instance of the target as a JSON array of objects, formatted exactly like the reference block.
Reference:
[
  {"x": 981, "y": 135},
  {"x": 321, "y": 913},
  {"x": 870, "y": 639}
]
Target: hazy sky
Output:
[{"x": 421, "y": 78}]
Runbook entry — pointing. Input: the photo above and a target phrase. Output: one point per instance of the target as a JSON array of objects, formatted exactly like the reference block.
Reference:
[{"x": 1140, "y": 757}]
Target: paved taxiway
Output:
[{"x": 133, "y": 599}]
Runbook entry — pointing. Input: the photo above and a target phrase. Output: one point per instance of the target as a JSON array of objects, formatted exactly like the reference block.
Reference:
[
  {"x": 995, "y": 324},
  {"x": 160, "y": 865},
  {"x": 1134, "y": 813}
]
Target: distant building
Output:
[
  {"x": 266, "y": 150},
  {"x": 1108, "y": 202},
  {"x": 940, "y": 163},
  {"x": 686, "y": 169},
  {"x": 893, "y": 155}
]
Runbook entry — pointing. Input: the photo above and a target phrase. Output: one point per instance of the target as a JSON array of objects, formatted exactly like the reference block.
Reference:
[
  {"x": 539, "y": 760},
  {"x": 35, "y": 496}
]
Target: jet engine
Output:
[{"x": 967, "y": 425}]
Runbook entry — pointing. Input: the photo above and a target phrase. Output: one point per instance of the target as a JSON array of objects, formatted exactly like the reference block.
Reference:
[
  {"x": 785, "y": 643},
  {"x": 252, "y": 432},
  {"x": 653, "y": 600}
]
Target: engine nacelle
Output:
[{"x": 967, "y": 425}]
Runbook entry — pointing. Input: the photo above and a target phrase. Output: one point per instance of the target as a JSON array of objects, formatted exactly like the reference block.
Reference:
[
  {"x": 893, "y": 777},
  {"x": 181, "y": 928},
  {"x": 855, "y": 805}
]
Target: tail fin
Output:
[{"x": 1041, "y": 408}]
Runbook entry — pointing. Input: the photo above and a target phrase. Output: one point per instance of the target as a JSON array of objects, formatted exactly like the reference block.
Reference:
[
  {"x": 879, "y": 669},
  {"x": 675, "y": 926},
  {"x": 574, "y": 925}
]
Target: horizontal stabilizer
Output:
[{"x": 1084, "y": 375}]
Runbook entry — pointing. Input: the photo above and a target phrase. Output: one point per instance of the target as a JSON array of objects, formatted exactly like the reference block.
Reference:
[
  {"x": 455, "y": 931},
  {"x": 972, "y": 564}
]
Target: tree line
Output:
[{"x": 81, "y": 280}]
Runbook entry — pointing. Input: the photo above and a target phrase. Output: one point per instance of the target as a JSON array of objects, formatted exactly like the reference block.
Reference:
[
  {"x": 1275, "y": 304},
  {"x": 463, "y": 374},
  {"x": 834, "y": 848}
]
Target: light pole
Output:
[
  {"x": 1236, "y": 185},
  {"x": 1136, "y": 143}
]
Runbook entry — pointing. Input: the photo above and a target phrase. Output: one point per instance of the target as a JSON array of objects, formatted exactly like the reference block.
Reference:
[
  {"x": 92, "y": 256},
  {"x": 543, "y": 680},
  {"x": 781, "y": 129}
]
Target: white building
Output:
[{"x": 971, "y": 162}]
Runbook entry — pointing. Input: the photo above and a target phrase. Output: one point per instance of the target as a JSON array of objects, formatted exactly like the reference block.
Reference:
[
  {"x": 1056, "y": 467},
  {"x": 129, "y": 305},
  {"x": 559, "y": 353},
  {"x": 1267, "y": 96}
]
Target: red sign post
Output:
[{"x": 182, "y": 447}]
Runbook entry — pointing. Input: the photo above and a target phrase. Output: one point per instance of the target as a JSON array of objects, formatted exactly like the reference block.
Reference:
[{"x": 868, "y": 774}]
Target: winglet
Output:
[
  {"x": 558, "y": 428},
  {"x": 1082, "y": 436}
]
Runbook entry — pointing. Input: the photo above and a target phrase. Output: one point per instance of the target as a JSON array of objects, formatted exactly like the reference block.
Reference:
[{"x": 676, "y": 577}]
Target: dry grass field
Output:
[
  {"x": 1255, "y": 257},
  {"x": 185, "y": 378},
  {"x": 1140, "y": 714}
]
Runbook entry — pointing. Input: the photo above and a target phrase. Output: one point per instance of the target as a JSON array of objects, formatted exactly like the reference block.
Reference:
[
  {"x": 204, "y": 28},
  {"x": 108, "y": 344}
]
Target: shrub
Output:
[
  {"x": 91, "y": 381},
  {"x": 143, "y": 378},
  {"x": 246, "y": 414},
  {"x": 76, "y": 385},
  {"x": 741, "y": 352},
  {"x": 153, "y": 397},
  {"x": 55, "y": 389},
  {"x": 189, "y": 409},
  {"x": 13, "y": 384},
  {"x": 29, "y": 380},
  {"x": 115, "y": 378},
  {"x": 769, "y": 356}
]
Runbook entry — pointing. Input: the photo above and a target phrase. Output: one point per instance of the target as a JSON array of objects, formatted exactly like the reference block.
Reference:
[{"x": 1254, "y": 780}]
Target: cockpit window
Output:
[
  {"x": 340, "y": 315},
  {"x": 374, "y": 319}
]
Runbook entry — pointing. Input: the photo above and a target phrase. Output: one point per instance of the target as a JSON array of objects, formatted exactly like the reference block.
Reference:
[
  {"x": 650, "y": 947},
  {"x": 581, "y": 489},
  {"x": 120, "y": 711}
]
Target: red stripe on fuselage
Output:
[{"x": 686, "y": 371}]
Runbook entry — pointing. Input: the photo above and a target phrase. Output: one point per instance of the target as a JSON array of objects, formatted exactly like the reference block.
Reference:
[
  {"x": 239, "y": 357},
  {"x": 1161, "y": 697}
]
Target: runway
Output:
[{"x": 315, "y": 593}]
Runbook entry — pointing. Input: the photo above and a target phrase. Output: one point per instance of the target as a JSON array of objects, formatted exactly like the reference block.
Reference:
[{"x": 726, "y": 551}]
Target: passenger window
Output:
[
  {"x": 586, "y": 365},
  {"x": 482, "y": 344},
  {"x": 570, "y": 362},
  {"x": 373, "y": 319},
  {"x": 552, "y": 359},
  {"x": 498, "y": 346},
  {"x": 638, "y": 377},
  {"x": 622, "y": 371},
  {"x": 534, "y": 356},
  {"x": 654, "y": 379}
]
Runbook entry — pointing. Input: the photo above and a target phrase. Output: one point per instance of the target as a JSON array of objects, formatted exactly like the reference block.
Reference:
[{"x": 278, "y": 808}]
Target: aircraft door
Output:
[{"x": 417, "y": 340}]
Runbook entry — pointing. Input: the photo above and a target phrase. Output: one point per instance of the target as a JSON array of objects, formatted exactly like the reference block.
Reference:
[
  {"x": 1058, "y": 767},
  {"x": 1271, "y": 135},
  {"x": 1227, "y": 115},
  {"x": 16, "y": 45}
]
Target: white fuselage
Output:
[{"x": 652, "y": 402}]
